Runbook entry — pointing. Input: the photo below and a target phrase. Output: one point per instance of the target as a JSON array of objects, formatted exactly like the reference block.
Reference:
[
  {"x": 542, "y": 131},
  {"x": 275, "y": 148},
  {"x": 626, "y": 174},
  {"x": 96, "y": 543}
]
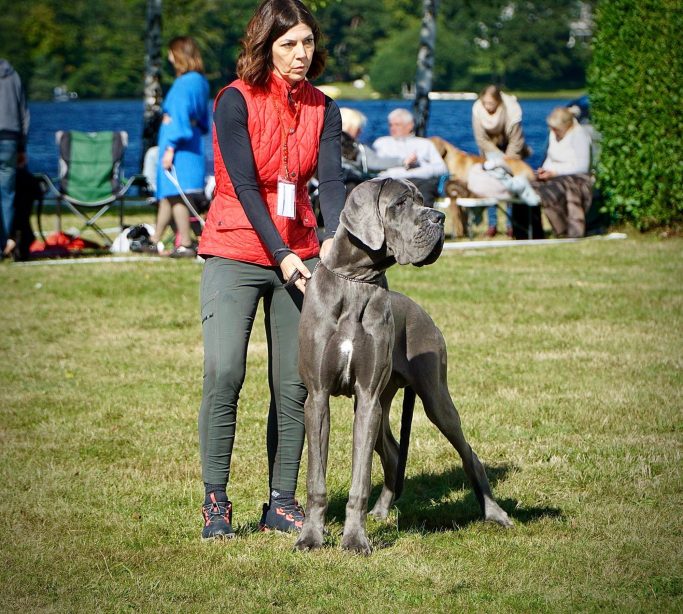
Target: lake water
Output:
[{"x": 448, "y": 119}]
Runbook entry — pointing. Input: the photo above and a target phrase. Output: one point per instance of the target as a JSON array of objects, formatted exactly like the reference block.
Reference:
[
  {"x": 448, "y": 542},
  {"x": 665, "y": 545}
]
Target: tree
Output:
[
  {"x": 97, "y": 48},
  {"x": 425, "y": 67},
  {"x": 152, "y": 94},
  {"x": 451, "y": 60},
  {"x": 351, "y": 30}
]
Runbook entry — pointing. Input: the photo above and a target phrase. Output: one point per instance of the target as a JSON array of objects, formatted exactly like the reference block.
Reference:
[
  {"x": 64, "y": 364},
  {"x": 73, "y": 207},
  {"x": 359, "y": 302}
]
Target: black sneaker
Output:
[
  {"x": 217, "y": 519},
  {"x": 282, "y": 516}
]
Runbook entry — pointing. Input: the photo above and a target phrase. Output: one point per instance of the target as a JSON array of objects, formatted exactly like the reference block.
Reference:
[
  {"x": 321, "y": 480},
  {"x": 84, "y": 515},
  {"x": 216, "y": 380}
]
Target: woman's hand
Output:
[
  {"x": 543, "y": 174},
  {"x": 289, "y": 267},
  {"x": 325, "y": 247},
  {"x": 167, "y": 158}
]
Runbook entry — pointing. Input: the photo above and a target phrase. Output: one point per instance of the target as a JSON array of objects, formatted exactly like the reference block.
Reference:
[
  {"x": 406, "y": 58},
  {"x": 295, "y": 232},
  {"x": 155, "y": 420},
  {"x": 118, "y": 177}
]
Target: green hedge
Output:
[{"x": 636, "y": 85}]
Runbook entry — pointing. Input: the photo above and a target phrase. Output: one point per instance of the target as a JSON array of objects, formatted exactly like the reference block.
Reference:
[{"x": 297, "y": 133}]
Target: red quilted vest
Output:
[{"x": 228, "y": 232}]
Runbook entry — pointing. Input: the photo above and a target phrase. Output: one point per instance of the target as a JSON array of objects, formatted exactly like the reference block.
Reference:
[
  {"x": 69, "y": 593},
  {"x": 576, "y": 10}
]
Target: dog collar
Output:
[{"x": 370, "y": 282}]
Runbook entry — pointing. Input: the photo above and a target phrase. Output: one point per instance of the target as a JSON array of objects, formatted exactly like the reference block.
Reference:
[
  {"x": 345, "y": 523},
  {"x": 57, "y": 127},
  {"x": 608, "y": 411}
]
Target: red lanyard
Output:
[{"x": 285, "y": 131}]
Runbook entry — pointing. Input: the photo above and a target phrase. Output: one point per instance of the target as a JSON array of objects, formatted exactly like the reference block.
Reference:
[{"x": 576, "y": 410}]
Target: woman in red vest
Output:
[{"x": 272, "y": 130}]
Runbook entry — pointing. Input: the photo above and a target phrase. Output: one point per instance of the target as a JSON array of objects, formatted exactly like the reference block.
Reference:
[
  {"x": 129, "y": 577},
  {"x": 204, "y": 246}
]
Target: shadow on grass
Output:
[{"x": 426, "y": 505}]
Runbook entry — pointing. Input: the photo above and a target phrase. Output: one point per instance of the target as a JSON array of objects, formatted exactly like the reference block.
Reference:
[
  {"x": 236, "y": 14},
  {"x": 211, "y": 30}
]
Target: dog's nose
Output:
[{"x": 436, "y": 217}]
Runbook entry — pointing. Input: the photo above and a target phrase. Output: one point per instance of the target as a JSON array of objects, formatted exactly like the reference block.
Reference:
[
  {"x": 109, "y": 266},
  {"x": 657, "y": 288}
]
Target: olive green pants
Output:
[{"x": 230, "y": 293}]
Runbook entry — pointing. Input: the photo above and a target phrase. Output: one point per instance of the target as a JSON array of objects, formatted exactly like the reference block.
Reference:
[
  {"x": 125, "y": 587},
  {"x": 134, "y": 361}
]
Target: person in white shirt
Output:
[
  {"x": 359, "y": 157},
  {"x": 565, "y": 183},
  {"x": 422, "y": 163},
  {"x": 569, "y": 146}
]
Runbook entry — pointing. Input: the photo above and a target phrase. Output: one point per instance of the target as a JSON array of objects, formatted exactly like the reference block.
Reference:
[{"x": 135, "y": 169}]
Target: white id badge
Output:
[{"x": 285, "y": 198}]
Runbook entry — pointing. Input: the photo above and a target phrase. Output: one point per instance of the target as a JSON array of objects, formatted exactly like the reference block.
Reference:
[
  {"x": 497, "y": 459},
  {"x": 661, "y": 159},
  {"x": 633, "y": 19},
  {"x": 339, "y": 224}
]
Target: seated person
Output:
[
  {"x": 359, "y": 161},
  {"x": 422, "y": 163},
  {"x": 564, "y": 181}
]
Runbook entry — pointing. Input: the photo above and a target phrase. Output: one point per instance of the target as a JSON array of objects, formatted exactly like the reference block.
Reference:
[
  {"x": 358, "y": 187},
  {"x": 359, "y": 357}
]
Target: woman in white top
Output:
[
  {"x": 569, "y": 146},
  {"x": 564, "y": 181}
]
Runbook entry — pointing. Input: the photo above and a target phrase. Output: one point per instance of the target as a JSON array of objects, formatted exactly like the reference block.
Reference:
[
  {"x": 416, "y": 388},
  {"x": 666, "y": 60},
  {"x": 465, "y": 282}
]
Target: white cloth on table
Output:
[{"x": 485, "y": 185}]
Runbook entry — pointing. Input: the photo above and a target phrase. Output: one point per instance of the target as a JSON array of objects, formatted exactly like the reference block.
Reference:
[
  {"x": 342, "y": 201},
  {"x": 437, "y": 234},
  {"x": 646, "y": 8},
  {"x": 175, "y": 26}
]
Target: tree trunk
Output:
[
  {"x": 152, "y": 92},
  {"x": 425, "y": 66}
]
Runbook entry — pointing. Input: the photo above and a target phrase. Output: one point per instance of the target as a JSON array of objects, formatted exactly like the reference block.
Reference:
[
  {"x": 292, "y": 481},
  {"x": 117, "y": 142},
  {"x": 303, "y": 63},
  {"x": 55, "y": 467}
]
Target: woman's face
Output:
[
  {"x": 490, "y": 103},
  {"x": 293, "y": 52},
  {"x": 560, "y": 131}
]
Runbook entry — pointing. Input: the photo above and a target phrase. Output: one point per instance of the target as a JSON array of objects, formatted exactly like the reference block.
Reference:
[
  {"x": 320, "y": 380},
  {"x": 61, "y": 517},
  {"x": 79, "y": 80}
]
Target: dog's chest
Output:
[{"x": 361, "y": 345}]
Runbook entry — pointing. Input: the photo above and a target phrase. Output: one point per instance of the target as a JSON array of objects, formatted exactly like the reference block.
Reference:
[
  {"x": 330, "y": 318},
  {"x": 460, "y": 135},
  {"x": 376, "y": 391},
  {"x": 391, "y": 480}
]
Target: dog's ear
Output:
[{"x": 361, "y": 216}]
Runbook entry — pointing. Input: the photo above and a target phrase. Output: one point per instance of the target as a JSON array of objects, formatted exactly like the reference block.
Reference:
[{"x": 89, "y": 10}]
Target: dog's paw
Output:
[
  {"x": 379, "y": 512},
  {"x": 494, "y": 513},
  {"x": 357, "y": 542},
  {"x": 309, "y": 539}
]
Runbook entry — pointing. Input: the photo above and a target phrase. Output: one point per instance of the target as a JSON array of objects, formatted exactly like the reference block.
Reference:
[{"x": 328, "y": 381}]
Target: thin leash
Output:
[{"x": 173, "y": 178}]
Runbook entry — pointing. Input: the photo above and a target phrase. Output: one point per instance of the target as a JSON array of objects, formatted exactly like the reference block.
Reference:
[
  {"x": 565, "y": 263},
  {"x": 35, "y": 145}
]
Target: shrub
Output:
[{"x": 635, "y": 83}]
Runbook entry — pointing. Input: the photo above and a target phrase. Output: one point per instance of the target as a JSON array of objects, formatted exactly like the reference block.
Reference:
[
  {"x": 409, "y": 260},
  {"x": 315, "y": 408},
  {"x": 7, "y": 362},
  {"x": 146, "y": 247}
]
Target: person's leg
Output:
[
  {"x": 492, "y": 215},
  {"x": 181, "y": 217},
  {"x": 554, "y": 203},
  {"x": 229, "y": 295},
  {"x": 163, "y": 220},
  {"x": 285, "y": 436},
  {"x": 8, "y": 170},
  {"x": 579, "y": 195},
  {"x": 285, "y": 419}
]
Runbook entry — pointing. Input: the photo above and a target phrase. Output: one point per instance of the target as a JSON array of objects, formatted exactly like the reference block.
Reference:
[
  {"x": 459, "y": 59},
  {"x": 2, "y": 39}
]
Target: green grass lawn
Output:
[{"x": 565, "y": 364}]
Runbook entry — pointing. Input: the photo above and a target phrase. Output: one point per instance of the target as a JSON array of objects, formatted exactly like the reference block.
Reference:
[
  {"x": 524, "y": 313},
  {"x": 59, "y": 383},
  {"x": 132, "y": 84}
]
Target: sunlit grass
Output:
[{"x": 564, "y": 361}]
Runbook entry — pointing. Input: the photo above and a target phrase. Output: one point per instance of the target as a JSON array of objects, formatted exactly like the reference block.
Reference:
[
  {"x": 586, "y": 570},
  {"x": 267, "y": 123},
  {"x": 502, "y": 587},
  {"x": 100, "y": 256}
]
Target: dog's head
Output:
[{"x": 389, "y": 214}]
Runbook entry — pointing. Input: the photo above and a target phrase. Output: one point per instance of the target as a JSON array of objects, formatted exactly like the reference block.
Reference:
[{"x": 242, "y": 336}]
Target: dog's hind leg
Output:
[
  {"x": 387, "y": 448},
  {"x": 441, "y": 411},
  {"x": 317, "y": 418}
]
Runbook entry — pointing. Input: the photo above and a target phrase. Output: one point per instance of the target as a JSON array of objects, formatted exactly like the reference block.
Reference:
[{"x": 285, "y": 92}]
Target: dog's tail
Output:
[{"x": 406, "y": 424}]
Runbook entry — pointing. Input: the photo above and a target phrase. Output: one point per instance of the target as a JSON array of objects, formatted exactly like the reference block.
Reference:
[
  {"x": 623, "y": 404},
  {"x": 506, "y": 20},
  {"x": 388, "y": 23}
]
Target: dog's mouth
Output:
[
  {"x": 434, "y": 254},
  {"x": 432, "y": 237}
]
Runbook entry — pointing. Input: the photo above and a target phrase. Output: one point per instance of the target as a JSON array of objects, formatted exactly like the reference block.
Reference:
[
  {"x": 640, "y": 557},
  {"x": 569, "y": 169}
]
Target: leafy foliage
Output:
[
  {"x": 394, "y": 62},
  {"x": 97, "y": 48},
  {"x": 635, "y": 87}
]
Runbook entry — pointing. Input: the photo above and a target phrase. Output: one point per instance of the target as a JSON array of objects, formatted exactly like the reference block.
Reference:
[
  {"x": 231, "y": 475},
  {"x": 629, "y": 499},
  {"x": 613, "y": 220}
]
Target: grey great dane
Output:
[{"x": 358, "y": 339}]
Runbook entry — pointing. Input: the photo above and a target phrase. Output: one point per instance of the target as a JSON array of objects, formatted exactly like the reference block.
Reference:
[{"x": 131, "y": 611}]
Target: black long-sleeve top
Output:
[{"x": 231, "y": 121}]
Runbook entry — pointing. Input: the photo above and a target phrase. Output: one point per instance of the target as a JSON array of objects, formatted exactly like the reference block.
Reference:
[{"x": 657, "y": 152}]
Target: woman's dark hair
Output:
[
  {"x": 186, "y": 55},
  {"x": 492, "y": 90},
  {"x": 270, "y": 21}
]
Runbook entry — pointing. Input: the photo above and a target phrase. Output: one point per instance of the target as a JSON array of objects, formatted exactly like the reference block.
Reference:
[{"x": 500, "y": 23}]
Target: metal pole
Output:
[
  {"x": 152, "y": 93},
  {"x": 425, "y": 67}
]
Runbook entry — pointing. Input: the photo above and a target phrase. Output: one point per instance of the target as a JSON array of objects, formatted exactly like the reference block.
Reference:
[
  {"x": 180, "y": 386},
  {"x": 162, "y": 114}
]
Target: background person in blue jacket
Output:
[{"x": 181, "y": 146}]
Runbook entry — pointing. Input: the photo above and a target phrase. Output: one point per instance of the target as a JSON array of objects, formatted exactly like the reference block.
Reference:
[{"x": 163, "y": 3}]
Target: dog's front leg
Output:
[
  {"x": 365, "y": 428},
  {"x": 317, "y": 419}
]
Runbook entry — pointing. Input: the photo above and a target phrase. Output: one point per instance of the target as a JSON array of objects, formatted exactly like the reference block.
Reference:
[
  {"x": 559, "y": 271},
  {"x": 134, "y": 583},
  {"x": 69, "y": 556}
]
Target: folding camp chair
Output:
[{"x": 91, "y": 176}]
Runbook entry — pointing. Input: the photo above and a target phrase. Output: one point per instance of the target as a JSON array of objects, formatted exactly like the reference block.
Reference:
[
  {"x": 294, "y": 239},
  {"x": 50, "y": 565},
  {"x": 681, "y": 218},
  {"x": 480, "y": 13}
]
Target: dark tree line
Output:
[{"x": 96, "y": 48}]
